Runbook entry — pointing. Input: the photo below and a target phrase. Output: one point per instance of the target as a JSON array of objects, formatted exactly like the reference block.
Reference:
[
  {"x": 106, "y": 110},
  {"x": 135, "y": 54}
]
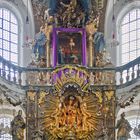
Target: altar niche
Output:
[{"x": 69, "y": 46}]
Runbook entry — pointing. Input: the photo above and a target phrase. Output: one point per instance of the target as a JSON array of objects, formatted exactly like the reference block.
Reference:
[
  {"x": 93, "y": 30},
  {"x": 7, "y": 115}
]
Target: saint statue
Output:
[
  {"x": 124, "y": 128},
  {"x": 39, "y": 48},
  {"x": 99, "y": 41},
  {"x": 18, "y": 126}
]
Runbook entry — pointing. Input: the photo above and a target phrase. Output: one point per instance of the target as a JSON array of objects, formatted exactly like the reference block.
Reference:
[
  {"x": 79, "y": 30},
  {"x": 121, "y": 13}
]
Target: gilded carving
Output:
[
  {"x": 71, "y": 115},
  {"x": 71, "y": 110}
]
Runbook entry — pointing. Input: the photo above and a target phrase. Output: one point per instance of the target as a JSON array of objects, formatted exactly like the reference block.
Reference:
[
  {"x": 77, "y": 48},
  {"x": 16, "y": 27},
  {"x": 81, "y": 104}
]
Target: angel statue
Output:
[
  {"x": 17, "y": 127},
  {"x": 124, "y": 128}
]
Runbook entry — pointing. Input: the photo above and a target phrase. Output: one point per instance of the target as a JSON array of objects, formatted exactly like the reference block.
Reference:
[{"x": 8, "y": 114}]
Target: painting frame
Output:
[{"x": 55, "y": 36}]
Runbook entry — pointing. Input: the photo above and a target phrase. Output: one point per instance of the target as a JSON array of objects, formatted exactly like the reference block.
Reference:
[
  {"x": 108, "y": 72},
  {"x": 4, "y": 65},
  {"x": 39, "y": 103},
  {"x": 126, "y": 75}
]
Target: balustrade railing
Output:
[
  {"x": 24, "y": 76},
  {"x": 128, "y": 74},
  {"x": 42, "y": 77}
]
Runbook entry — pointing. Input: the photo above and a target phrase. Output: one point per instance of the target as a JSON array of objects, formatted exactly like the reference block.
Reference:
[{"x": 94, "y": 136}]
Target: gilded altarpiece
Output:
[{"x": 71, "y": 109}]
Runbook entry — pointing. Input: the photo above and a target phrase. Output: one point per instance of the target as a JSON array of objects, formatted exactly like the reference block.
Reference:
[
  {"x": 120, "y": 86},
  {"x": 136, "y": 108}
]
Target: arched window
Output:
[
  {"x": 6, "y": 121},
  {"x": 134, "y": 123},
  {"x": 130, "y": 36},
  {"x": 8, "y": 36}
]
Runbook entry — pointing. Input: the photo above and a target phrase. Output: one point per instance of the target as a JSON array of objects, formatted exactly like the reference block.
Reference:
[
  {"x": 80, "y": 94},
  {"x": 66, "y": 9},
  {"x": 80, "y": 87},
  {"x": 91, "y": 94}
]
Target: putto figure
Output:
[
  {"x": 18, "y": 126},
  {"x": 124, "y": 128}
]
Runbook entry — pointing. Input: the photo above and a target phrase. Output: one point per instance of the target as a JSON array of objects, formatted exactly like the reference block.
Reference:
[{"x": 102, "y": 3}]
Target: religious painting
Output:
[
  {"x": 69, "y": 46},
  {"x": 69, "y": 50}
]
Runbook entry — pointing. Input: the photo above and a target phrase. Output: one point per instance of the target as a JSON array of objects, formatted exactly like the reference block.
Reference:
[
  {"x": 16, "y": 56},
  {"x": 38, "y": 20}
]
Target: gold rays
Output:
[
  {"x": 71, "y": 113},
  {"x": 71, "y": 74}
]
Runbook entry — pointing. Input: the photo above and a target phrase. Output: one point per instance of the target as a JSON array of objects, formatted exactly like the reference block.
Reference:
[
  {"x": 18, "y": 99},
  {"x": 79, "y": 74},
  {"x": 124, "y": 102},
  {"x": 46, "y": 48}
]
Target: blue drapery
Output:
[
  {"x": 86, "y": 5},
  {"x": 52, "y": 4},
  {"x": 40, "y": 42},
  {"x": 99, "y": 42}
]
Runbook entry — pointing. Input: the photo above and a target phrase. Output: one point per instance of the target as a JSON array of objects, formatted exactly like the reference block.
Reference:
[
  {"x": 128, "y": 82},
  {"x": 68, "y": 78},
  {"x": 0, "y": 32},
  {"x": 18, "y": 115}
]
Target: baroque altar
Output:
[
  {"x": 79, "y": 103},
  {"x": 72, "y": 109}
]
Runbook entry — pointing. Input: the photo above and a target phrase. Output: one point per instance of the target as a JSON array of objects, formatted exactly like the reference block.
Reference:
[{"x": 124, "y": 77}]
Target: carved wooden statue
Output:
[
  {"x": 17, "y": 127},
  {"x": 124, "y": 128}
]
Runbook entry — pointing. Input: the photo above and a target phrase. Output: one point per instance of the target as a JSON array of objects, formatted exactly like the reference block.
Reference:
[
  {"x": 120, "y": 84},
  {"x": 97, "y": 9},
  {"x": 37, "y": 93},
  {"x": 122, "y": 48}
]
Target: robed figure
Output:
[
  {"x": 39, "y": 47},
  {"x": 124, "y": 128},
  {"x": 17, "y": 127}
]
